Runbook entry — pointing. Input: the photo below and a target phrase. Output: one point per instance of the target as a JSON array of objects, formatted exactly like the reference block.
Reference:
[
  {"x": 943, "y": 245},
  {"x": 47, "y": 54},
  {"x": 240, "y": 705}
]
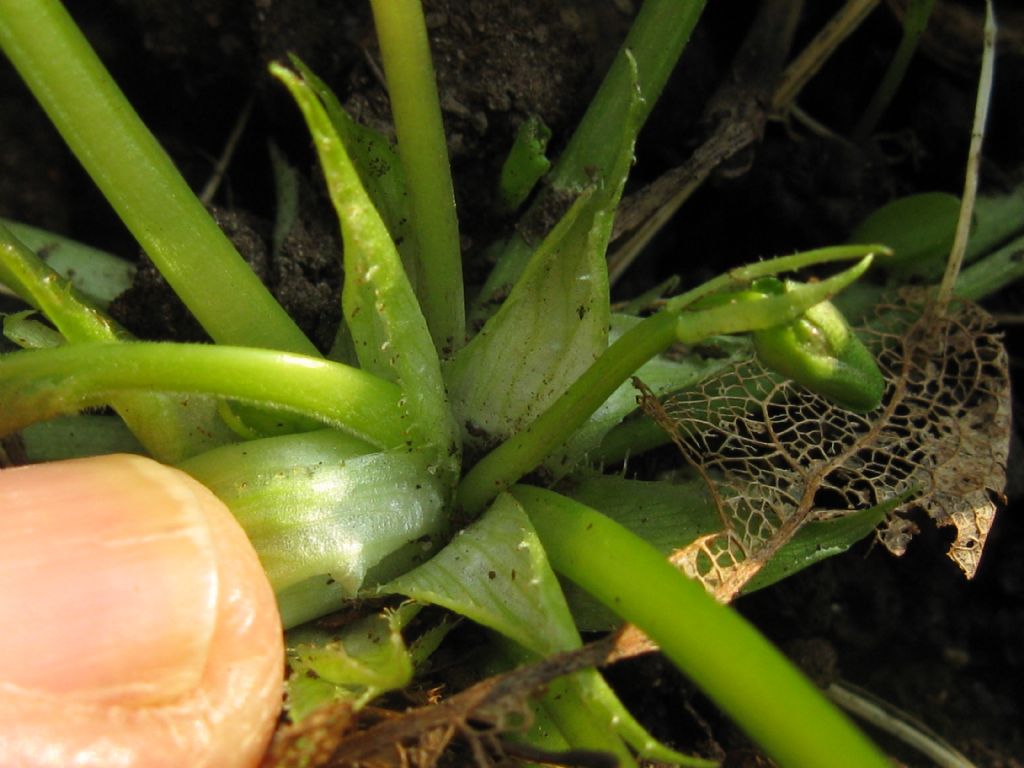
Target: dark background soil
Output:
[{"x": 911, "y": 630}]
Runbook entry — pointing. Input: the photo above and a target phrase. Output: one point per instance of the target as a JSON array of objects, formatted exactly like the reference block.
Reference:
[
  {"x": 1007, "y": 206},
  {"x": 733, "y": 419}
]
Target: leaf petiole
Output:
[{"x": 39, "y": 384}]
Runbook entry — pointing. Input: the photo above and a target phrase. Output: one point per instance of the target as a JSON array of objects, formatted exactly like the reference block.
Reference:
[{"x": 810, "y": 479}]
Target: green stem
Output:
[
  {"x": 579, "y": 725},
  {"x": 522, "y": 452},
  {"x": 914, "y": 21},
  {"x": 405, "y": 51},
  {"x": 39, "y": 384},
  {"x": 140, "y": 181},
  {"x": 737, "y": 667}
]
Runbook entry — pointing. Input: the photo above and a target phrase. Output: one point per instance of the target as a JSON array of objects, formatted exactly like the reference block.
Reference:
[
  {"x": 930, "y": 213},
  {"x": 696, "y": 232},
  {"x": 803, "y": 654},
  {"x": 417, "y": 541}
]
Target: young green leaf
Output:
[
  {"x": 919, "y": 229},
  {"x": 358, "y": 663},
  {"x": 379, "y": 167},
  {"x": 389, "y": 331},
  {"x": 820, "y": 540},
  {"x": 495, "y": 573},
  {"x": 525, "y": 164},
  {"x": 642, "y": 66},
  {"x": 552, "y": 326}
]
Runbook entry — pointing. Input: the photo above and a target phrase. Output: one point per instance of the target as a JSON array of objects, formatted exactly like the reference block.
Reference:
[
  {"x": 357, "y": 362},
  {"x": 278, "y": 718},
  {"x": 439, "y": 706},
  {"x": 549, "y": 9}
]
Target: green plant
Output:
[{"x": 431, "y": 431}]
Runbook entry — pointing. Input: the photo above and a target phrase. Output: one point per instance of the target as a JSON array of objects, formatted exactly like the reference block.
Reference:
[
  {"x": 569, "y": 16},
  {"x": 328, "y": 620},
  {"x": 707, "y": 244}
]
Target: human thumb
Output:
[{"x": 138, "y": 626}]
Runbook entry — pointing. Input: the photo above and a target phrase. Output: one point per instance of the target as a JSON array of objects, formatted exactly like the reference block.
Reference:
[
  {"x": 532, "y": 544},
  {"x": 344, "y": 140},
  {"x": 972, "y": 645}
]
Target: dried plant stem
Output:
[
  {"x": 963, "y": 227},
  {"x": 807, "y": 64}
]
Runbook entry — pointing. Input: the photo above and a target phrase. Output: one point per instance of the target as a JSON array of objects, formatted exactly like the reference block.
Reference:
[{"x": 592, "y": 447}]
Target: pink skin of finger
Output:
[{"x": 139, "y": 628}]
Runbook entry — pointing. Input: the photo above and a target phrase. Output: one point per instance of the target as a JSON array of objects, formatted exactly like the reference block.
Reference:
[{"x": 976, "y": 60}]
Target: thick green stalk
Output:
[
  {"x": 405, "y": 51},
  {"x": 738, "y": 668},
  {"x": 140, "y": 181},
  {"x": 39, "y": 384}
]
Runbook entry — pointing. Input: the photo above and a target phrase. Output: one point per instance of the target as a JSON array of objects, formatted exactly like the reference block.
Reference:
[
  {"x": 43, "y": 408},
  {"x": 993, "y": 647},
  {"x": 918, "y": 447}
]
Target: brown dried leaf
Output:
[{"x": 776, "y": 456}]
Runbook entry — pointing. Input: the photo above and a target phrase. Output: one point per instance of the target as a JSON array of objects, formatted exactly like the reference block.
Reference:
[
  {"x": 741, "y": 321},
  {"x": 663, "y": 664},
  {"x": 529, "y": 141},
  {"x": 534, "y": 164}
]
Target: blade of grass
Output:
[
  {"x": 963, "y": 227},
  {"x": 914, "y": 22},
  {"x": 391, "y": 334},
  {"x": 140, "y": 181}
]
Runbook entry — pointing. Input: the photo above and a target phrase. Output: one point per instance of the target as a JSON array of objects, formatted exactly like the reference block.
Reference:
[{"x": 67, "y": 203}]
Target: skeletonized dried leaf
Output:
[{"x": 776, "y": 456}]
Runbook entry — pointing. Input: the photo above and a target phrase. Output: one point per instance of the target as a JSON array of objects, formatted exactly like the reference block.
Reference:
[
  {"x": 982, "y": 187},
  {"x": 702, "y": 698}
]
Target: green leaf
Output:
[
  {"x": 379, "y": 168},
  {"x": 666, "y": 514},
  {"x": 320, "y": 502},
  {"x": 98, "y": 275},
  {"x": 553, "y": 324},
  {"x": 525, "y": 164},
  {"x": 72, "y": 437},
  {"x": 363, "y": 660},
  {"x": 820, "y": 540},
  {"x": 388, "y": 329},
  {"x": 919, "y": 229},
  {"x": 495, "y": 573}
]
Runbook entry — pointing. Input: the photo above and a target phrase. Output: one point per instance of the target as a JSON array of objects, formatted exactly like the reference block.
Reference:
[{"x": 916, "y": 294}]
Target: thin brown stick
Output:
[{"x": 818, "y": 51}]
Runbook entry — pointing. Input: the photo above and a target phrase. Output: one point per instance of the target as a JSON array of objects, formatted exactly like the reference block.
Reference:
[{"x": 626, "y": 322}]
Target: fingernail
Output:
[{"x": 108, "y": 580}]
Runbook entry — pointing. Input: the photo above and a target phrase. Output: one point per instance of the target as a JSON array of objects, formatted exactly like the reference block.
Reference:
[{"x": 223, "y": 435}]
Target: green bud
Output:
[{"x": 821, "y": 352}]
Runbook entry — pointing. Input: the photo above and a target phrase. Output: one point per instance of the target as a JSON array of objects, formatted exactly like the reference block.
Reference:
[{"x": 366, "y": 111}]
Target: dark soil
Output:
[{"x": 911, "y": 631}]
